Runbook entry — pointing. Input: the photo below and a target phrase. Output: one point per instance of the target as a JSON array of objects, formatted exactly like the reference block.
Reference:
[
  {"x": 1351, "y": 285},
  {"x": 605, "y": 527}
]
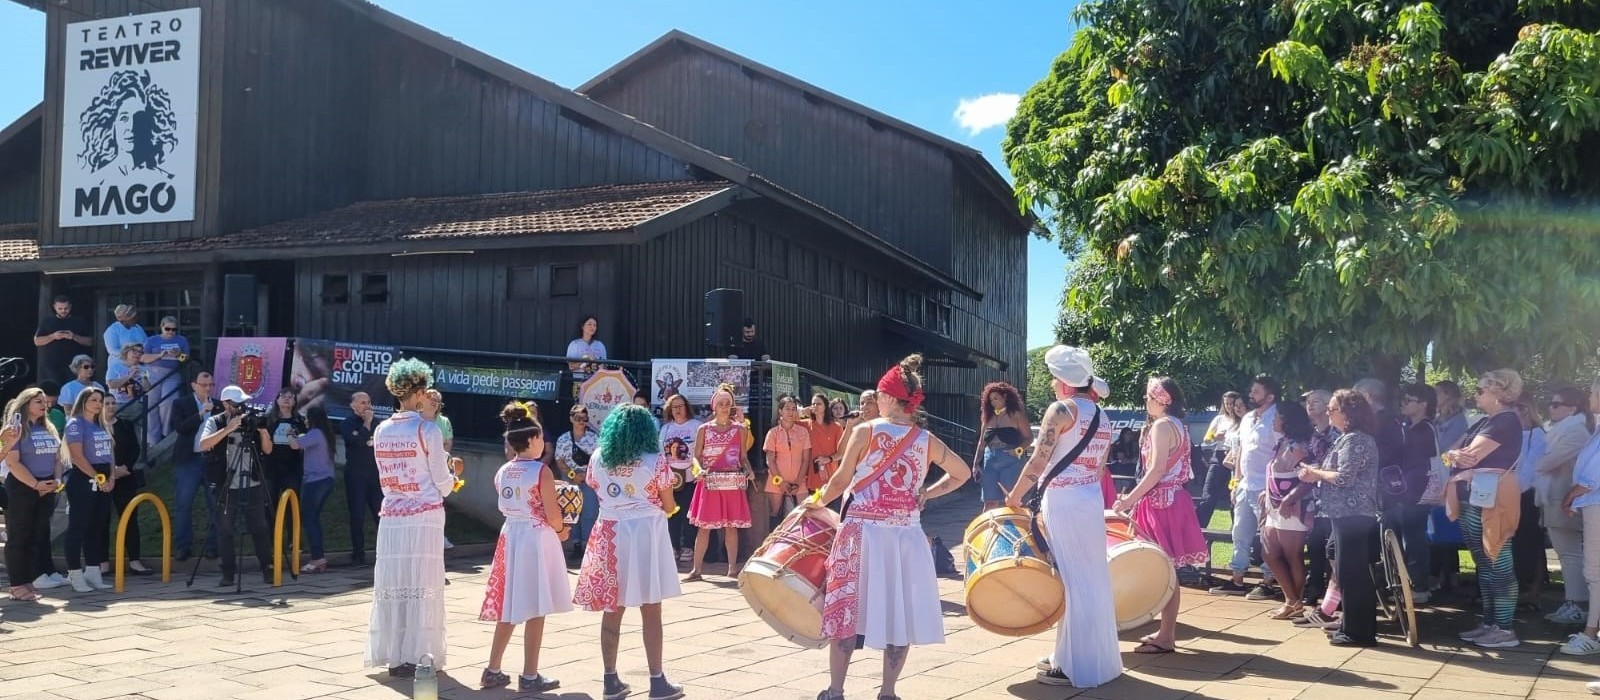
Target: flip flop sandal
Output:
[
  {"x": 1153, "y": 648},
  {"x": 691, "y": 578}
]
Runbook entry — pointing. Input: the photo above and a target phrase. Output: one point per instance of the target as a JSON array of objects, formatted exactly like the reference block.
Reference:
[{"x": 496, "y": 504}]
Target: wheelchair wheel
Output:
[{"x": 1404, "y": 608}]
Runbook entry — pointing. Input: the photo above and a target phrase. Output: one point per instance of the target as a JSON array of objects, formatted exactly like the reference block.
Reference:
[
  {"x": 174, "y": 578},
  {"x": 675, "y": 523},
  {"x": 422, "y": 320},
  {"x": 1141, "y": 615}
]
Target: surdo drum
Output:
[
  {"x": 1142, "y": 576},
  {"x": 1012, "y": 587},
  {"x": 785, "y": 579}
]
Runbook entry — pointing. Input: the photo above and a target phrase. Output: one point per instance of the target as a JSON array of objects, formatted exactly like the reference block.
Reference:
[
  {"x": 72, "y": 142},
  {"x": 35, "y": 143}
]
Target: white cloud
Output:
[{"x": 980, "y": 114}]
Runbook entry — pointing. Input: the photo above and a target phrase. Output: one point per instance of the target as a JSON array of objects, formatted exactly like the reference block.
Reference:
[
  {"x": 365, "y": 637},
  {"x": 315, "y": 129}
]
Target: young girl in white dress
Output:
[{"x": 528, "y": 579}]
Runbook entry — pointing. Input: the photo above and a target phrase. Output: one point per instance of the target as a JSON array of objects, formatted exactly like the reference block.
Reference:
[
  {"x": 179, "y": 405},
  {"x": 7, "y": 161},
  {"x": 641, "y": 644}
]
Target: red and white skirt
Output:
[{"x": 627, "y": 563}]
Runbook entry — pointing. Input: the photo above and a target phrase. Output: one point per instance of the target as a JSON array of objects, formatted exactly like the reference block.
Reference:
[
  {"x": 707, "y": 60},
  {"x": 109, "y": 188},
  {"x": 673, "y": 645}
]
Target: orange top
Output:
[{"x": 825, "y": 439}]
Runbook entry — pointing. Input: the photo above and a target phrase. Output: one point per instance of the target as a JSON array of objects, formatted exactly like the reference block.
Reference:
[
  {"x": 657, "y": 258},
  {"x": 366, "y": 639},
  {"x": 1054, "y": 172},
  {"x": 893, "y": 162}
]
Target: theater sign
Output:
[{"x": 130, "y": 104}]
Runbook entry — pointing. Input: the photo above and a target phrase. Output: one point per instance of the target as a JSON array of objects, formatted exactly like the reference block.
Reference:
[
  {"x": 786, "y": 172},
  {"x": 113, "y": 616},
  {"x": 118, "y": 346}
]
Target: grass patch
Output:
[
  {"x": 1222, "y": 552},
  {"x": 161, "y": 481}
]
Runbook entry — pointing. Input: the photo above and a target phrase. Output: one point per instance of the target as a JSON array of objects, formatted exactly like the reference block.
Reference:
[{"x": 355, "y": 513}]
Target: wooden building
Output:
[{"x": 385, "y": 183}]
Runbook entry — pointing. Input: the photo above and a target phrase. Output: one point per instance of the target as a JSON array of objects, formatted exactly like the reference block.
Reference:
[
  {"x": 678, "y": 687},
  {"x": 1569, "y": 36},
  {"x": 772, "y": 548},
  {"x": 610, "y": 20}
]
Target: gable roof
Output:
[
  {"x": 963, "y": 155},
  {"x": 605, "y": 214},
  {"x": 655, "y": 138},
  {"x": 23, "y": 122}
]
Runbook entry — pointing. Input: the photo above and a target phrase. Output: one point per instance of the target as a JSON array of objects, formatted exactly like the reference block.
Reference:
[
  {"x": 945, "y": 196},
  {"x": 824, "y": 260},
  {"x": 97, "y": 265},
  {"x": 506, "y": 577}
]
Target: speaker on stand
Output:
[
  {"x": 239, "y": 309},
  {"x": 724, "y": 315}
]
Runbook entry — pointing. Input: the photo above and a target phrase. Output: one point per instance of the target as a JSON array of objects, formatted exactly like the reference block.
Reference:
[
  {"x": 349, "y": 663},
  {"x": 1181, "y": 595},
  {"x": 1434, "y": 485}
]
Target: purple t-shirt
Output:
[
  {"x": 96, "y": 442},
  {"x": 38, "y": 452},
  {"x": 318, "y": 464}
]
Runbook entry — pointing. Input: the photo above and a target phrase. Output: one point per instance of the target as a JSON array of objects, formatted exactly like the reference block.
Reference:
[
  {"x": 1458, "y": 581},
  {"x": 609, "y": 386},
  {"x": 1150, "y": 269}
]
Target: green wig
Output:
[
  {"x": 408, "y": 376},
  {"x": 627, "y": 434}
]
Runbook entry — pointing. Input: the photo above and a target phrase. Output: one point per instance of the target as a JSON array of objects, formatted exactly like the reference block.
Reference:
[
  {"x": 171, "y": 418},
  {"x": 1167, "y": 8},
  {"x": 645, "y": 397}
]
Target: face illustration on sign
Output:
[{"x": 129, "y": 126}]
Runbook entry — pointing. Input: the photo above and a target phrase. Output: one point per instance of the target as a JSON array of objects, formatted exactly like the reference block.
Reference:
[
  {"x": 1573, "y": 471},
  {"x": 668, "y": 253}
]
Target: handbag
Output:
[{"x": 1438, "y": 477}]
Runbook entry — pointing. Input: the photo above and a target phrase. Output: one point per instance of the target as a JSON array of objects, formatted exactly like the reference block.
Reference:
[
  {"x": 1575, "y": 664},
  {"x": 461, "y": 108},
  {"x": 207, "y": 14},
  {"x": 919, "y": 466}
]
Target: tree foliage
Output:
[{"x": 1326, "y": 187}]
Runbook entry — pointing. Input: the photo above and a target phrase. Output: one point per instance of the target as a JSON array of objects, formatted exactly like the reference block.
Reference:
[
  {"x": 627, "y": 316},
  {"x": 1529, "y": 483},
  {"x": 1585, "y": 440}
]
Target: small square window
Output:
[
  {"x": 563, "y": 281},
  {"x": 375, "y": 288},
  {"x": 522, "y": 283},
  {"x": 335, "y": 290}
]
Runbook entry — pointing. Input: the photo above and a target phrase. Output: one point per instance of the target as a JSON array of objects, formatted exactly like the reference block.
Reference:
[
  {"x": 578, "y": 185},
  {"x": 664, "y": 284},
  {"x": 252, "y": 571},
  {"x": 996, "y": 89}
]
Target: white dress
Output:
[
  {"x": 408, "y": 576},
  {"x": 629, "y": 560},
  {"x": 1074, "y": 514},
  {"x": 528, "y": 578},
  {"x": 881, "y": 581}
]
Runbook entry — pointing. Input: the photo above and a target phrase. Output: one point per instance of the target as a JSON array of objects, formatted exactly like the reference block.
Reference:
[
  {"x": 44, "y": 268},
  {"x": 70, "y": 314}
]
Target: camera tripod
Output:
[{"x": 251, "y": 461}]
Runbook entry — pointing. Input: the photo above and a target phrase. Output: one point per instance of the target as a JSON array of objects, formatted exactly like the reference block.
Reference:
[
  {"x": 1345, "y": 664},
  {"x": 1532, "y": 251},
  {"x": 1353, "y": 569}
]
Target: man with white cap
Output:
[
  {"x": 1068, "y": 464},
  {"x": 233, "y": 474}
]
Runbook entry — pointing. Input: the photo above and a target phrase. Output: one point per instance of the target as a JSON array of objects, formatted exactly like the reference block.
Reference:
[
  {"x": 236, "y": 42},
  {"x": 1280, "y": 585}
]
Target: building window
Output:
[
  {"x": 563, "y": 281},
  {"x": 936, "y": 317},
  {"x": 335, "y": 290},
  {"x": 375, "y": 288},
  {"x": 522, "y": 283}
]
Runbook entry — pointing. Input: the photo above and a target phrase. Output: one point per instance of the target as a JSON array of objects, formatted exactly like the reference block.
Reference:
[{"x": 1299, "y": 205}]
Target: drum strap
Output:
[
  {"x": 890, "y": 458},
  {"x": 1055, "y": 471}
]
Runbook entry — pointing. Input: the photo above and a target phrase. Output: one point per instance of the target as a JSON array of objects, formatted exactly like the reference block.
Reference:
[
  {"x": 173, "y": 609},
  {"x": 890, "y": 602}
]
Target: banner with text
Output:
[
  {"x": 130, "y": 105},
  {"x": 496, "y": 381},
  {"x": 786, "y": 380},
  {"x": 253, "y": 364},
  {"x": 697, "y": 380},
  {"x": 329, "y": 372},
  {"x": 603, "y": 391}
]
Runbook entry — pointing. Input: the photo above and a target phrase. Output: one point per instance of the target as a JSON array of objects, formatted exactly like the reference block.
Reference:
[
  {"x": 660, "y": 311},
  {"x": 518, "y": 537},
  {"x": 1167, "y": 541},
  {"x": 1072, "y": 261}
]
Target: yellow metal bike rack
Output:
[
  {"x": 122, "y": 533},
  {"x": 288, "y": 501}
]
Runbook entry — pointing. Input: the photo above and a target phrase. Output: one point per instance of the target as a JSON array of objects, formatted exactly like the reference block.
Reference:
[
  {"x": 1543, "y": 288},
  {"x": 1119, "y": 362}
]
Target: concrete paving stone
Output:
[
  {"x": 1481, "y": 684},
  {"x": 1561, "y": 684},
  {"x": 42, "y": 682},
  {"x": 106, "y": 689},
  {"x": 199, "y": 689},
  {"x": 1333, "y": 692},
  {"x": 292, "y": 690},
  {"x": 264, "y": 662}
]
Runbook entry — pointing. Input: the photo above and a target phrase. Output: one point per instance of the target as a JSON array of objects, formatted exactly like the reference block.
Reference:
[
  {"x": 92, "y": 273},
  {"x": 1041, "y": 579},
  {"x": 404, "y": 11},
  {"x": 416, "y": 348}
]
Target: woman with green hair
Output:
[
  {"x": 629, "y": 561},
  {"x": 408, "y": 578}
]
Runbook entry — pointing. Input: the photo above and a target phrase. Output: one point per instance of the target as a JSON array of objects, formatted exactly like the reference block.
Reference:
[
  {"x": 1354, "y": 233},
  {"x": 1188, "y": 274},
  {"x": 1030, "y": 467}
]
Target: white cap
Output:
[
  {"x": 1070, "y": 365},
  {"x": 233, "y": 393},
  {"x": 1101, "y": 388}
]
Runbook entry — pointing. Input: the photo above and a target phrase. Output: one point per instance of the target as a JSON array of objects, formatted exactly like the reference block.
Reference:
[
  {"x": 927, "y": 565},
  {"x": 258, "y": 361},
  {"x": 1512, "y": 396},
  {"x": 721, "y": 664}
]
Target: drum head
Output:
[
  {"x": 788, "y": 603},
  {"x": 1015, "y": 597},
  {"x": 1142, "y": 581}
]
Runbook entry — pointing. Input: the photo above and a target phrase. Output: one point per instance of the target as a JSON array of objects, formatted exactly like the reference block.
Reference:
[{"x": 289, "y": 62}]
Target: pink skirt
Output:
[
  {"x": 1108, "y": 489},
  {"x": 719, "y": 508},
  {"x": 1174, "y": 528}
]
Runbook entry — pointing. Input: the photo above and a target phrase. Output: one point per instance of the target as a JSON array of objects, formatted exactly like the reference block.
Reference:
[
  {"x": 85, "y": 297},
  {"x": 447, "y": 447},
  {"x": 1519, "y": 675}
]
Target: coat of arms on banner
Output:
[
  {"x": 249, "y": 368},
  {"x": 603, "y": 391}
]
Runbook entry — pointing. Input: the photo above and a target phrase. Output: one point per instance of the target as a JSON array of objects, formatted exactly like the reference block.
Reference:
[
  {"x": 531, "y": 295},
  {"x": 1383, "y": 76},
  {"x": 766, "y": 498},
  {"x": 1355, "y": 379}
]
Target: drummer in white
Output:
[
  {"x": 882, "y": 589},
  {"x": 1073, "y": 511}
]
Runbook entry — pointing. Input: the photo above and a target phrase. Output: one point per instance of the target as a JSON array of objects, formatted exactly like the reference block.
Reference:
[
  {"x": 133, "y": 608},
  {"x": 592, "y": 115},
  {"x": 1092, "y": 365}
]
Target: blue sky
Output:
[{"x": 915, "y": 60}]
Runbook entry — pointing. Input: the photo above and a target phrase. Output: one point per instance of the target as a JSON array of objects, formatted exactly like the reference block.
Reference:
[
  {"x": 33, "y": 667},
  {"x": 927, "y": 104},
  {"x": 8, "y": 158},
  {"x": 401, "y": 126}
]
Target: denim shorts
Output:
[{"x": 1000, "y": 468}]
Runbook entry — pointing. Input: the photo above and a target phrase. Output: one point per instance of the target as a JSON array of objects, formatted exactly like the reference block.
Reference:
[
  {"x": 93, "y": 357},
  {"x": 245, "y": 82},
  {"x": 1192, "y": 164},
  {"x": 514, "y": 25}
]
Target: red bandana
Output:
[{"x": 893, "y": 383}]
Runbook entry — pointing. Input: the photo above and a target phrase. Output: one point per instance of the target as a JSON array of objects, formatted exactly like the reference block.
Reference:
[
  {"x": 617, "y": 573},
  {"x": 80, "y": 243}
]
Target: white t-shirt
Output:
[
  {"x": 677, "y": 444},
  {"x": 594, "y": 349},
  {"x": 630, "y": 490}
]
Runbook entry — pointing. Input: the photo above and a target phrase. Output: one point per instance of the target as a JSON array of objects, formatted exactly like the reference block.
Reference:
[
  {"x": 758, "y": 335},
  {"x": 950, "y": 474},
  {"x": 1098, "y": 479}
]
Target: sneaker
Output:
[
  {"x": 1497, "y": 638},
  {"x": 493, "y": 679},
  {"x": 614, "y": 688},
  {"x": 75, "y": 577},
  {"x": 1593, "y": 686},
  {"x": 1474, "y": 633},
  {"x": 448, "y": 544},
  {"x": 1262, "y": 592},
  {"x": 226, "y": 582},
  {"x": 46, "y": 582},
  {"x": 58, "y": 578},
  {"x": 1229, "y": 588},
  {"x": 536, "y": 684},
  {"x": 1054, "y": 676},
  {"x": 1568, "y": 614},
  {"x": 1312, "y": 618},
  {"x": 403, "y": 671},
  {"x": 660, "y": 689},
  {"x": 1044, "y": 664},
  {"x": 93, "y": 576},
  {"x": 137, "y": 568},
  {"x": 1581, "y": 645},
  {"x": 1340, "y": 639},
  {"x": 685, "y": 556}
]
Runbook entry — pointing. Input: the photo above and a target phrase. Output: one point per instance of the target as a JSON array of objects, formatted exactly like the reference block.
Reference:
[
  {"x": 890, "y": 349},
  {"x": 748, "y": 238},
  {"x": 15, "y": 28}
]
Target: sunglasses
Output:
[
  {"x": 169, "y": 330},
  {"x": 580, "y": 416},
  {"x": 1557, "y": 404},
  {"x": 1334, "y": 409}
]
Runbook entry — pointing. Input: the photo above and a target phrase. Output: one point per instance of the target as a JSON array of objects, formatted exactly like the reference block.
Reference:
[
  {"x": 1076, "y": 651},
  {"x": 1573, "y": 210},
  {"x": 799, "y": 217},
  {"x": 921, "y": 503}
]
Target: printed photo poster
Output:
[
  {"x": 329, "y": 372},
  {"x": 603, "y": 391},
  {"x": 130, "y": 108},
  {"x": 253, "y": 364},
  {"x": 696, "y": 380}
]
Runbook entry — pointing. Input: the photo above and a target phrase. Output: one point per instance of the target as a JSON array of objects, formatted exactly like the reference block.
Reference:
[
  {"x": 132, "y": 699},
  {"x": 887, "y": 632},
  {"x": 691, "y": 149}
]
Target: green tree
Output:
[
  {"x": 1326, "y": 186},
  {"x": 1039, "y": 393}
]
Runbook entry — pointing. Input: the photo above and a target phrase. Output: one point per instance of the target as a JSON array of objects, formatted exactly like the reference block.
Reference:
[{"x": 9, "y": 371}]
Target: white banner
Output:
[{"x": 129, "y": 107}]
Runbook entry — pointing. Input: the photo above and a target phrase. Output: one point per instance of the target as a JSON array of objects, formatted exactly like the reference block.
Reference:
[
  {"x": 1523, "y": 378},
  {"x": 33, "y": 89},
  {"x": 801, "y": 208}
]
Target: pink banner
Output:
[{"x": 254, "y": 364}]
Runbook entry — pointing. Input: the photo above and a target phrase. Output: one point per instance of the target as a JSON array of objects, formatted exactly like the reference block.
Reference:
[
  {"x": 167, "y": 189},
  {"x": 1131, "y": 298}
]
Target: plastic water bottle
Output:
[{"x": 425, "y": 685}]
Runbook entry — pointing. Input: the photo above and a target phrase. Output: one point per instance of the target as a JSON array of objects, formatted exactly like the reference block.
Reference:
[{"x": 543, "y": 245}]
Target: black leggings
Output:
[
  {"x": 122, "y": 494},
  {"x": 1214, "y": 493},
  {"x": 679, "y": 529},
  {"x": 27, "y": 529},
  {"x": 1353, "y": 561},
  {"x": 1320, "y": 566},
  {"x": 88, "y": 519}
]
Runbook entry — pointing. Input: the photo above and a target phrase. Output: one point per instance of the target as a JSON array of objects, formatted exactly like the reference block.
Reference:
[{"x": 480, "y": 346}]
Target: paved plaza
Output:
[{"x": 305, "y": 640}]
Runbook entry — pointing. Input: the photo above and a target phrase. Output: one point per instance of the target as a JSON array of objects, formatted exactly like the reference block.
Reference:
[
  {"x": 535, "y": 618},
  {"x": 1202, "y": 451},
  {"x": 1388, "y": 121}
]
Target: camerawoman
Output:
[{"x": 232, "y": 441}]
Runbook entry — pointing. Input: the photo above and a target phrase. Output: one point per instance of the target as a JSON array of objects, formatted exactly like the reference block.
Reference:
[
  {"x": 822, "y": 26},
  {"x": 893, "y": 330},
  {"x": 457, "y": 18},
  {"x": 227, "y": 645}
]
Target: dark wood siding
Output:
[
  {"x": 308, "y": 106},
  {"x": 886, "y": 181},
  {"x": 459, "y": 301},
  {"x": 19, "y": 176},
  {"x": 991, "y": 257},
  {"x": 213, "y": 43}
]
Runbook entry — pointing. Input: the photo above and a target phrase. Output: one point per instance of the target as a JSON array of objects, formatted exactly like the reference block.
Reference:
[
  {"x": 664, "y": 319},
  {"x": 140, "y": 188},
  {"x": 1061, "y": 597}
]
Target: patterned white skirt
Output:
[
  {"x": 882, "y": 586},
  {"x": 408, "y": 591},
  {"x": 528, "y": 578},
  {"x": 627, "y": 563}
]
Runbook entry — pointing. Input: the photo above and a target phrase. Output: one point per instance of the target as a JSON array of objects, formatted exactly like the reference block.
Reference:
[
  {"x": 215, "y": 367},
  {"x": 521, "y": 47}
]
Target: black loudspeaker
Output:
[
  {"x": 238, "y": 301},
  {"x": 724, "y": 314}
]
